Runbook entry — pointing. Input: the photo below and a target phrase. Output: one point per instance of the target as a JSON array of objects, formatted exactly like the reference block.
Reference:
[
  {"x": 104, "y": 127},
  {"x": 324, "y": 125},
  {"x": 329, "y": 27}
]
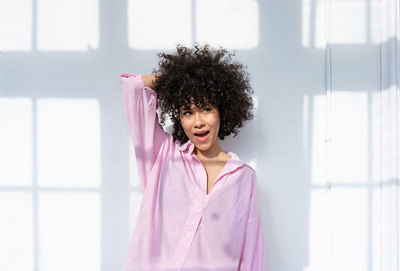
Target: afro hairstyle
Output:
[{"x": 203, "y": 76}]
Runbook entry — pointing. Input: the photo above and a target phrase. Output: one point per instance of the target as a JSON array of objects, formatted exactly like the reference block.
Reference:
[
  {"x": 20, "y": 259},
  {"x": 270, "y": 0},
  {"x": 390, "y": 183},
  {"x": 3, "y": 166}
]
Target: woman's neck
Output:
[{"x": 213, "y": 153}]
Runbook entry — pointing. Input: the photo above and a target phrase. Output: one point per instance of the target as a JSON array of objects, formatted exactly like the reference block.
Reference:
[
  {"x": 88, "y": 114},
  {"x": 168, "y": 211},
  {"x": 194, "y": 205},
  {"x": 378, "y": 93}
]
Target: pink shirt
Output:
[{"x": 179, "y": 225}]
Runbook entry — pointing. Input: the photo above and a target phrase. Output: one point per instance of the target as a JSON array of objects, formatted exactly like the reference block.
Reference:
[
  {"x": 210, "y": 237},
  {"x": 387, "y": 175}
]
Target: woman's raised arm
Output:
[{"x": 148, "y": 136}]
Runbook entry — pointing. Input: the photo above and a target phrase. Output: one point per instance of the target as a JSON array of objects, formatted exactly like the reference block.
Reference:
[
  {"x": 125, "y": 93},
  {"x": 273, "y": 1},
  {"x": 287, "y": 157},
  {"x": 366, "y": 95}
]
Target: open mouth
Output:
[{"x": 201, "y": 136}]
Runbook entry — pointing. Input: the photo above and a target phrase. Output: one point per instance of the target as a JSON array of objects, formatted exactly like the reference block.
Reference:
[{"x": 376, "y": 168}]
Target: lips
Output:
[{"x": 201, "y": 136}]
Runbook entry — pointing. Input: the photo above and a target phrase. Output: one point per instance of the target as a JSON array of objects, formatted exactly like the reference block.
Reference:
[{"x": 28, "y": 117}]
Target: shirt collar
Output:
[
  {"x": 234, "y": 162},
  {"x": 186, "y": 145}
]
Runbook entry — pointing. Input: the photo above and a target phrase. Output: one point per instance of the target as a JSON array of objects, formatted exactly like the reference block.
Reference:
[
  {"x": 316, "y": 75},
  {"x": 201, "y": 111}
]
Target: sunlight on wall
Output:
[
  {"x": 348, "y": 228},
  {"x": 348, "y": 21},
  {"x": 15, "y": 25},
  {"x": 319, "y": 136},
  {"x": 349, "y": 137},
  {"x": 339, "y": 215},
  {"x": 351, "y": 22},
  {"x": 67, "y": 25},
  {"x": 319, "y": 239},
  {"x": 16, "y": 231},
  {"x": 68, "y": 134},
  {"x": 65, "y": 227},
  {"x": 313, "y": 23},
  {"x": 16, "y": 141},
  {"x": 232, "y": 24},
  {"x": 375, "y": 25},
  {"x": 69, "y": 231},
  {"x": 156, "y": 24}
]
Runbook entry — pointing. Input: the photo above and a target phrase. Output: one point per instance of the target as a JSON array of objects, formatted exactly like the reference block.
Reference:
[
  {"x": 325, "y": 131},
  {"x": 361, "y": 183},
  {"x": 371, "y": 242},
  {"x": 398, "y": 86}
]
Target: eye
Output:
[
  {"x": 208, "y": 109},
  {"x": 187, "y": 113}
]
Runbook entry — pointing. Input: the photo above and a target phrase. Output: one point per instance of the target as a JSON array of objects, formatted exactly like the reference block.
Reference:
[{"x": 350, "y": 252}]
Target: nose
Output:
[{"x": 198, "y": 120}]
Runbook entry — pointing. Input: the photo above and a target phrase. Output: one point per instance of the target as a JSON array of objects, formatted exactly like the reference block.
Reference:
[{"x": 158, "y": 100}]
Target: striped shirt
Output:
[{"x": 179, "y": 226}]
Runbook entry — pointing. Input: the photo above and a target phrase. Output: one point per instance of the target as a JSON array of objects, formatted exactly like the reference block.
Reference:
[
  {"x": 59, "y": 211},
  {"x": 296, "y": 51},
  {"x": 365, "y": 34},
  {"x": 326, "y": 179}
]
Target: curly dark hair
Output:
[{"x": 203, "y": 75}]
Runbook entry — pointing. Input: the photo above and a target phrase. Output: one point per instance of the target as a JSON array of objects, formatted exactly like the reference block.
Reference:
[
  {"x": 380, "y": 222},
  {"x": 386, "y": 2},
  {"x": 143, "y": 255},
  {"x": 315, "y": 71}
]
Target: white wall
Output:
[{"x": 325, "y": 140}]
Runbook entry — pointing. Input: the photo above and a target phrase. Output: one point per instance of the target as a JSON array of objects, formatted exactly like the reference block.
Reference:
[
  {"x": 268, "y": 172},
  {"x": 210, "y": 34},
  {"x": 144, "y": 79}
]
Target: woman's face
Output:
[{"x": 201, "y": 125}]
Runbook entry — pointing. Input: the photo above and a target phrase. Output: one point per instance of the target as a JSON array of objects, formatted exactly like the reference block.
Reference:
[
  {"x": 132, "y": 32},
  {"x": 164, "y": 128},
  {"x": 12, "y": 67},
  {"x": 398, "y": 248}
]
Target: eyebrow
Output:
[{"x": 185, "y": 107}]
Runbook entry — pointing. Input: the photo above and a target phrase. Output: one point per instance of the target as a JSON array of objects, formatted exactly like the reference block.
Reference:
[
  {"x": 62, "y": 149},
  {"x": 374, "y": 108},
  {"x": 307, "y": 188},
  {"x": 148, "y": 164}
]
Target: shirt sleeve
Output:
[
  {"x": 148, "y": 136},
  {"x": 253, "y": 256}
]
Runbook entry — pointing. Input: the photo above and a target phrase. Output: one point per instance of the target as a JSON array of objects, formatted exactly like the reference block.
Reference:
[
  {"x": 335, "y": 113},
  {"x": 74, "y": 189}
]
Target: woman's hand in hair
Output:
[{"x": 149, "y": 79}]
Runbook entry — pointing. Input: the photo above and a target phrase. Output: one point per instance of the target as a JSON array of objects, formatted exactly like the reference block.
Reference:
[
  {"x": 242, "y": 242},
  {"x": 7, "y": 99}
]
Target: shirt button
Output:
[
  {"x": 188, "y": 233},
  {"x": 177, "y": 263}
]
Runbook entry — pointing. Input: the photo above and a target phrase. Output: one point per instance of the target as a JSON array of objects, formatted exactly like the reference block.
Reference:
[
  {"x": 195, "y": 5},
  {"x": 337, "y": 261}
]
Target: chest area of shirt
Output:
[
  {"x": 185, "y": 171},
  {"x": 212, "y": 171}
]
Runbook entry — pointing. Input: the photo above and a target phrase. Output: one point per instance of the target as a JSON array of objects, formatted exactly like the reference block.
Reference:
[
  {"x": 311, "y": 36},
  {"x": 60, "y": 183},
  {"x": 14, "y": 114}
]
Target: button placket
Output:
[
  {"x": 188, "y": 233},
  {"x": 197, "y": 206}
]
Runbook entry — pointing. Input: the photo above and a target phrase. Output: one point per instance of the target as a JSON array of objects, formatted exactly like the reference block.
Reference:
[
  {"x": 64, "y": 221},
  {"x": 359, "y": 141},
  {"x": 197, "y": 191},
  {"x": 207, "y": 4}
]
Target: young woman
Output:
[{"x": 200, "y": 207}]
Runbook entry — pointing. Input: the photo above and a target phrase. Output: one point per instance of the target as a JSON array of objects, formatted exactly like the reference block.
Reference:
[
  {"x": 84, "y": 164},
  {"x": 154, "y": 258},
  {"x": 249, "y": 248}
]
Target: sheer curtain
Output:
[
  {"x": 354, "y": 156},
  {"x": 386, "y": 134}
]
